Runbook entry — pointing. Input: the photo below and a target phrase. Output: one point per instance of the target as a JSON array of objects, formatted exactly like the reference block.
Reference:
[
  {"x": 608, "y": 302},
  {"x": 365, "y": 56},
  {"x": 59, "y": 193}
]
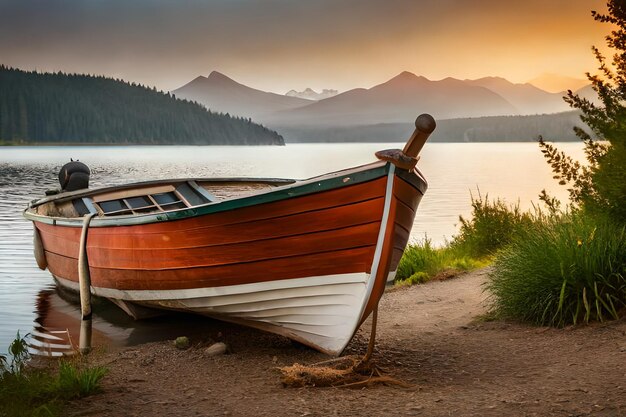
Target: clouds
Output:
[{"x": 280, "y": 44}]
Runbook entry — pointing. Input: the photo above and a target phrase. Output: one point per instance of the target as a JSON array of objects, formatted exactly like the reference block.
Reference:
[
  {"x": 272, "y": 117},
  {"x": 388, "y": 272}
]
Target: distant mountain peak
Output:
[
  {"x": 215, "y": 79},
  {"x": 556, "y": 83},
  {"x": 199, "y": 78},
  {"x": 402, "y": 80},
  {"x": 221, "y": 93},
  {"x": 310, "y": 94},
  {"x": 490, "y": 79},
  {"x": 218, "y": 76},
  {"x": 406, "y": 76}
]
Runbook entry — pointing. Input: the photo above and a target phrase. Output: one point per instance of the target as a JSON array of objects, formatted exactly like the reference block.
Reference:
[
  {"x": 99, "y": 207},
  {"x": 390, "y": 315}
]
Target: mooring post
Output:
[
  {"x": 84, "y": 286},
  {"x": 84, "y": 339}
]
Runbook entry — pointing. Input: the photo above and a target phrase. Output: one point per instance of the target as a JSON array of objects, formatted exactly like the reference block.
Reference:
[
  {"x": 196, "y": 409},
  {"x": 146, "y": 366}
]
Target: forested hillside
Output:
[
  {"x": 70, "y": 108},
  {"x": 557, "y": 127}
]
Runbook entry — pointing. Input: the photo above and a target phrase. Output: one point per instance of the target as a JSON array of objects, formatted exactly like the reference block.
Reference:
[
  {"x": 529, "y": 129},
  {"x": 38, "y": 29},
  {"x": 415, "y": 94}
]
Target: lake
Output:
[{"x": 515, "y": 172}]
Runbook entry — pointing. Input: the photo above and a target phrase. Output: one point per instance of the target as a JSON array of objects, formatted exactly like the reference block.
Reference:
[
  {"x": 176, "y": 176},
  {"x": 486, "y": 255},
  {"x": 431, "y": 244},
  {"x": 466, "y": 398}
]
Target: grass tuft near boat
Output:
[{"x": 307, "y": 259}]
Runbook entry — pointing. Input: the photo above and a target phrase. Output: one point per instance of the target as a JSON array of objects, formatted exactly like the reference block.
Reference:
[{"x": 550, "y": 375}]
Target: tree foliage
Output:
[
  {"x": 600, "y": 185},
  {"x": 73, "y": 108}
]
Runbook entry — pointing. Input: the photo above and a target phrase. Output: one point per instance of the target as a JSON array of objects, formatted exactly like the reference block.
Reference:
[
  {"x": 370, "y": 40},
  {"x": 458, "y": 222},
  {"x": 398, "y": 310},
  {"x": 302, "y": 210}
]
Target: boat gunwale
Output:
[
  {"x": 69, "y": 195},
  {"x": 293, "y": 188}
]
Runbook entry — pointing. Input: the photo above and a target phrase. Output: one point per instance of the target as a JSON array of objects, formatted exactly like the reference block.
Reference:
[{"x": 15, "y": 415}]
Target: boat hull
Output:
[
  {"x": 319, "y": 311},
  {"x": 310, "y": 267}
]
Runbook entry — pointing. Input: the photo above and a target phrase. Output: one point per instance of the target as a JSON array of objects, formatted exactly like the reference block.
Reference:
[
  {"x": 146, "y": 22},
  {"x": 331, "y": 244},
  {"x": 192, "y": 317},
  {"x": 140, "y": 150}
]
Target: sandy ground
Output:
[{"x": 430, "y": 336}]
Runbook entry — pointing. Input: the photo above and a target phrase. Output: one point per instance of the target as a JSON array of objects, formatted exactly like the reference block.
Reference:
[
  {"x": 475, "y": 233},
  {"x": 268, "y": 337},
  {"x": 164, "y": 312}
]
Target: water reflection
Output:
[
  {"x": 58, "y": 324},
  {"x": 57, "y": 328}
]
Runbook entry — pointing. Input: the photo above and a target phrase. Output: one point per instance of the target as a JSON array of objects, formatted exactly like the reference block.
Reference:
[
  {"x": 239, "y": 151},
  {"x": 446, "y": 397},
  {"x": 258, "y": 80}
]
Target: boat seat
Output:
[
  {"x": 210, "y": 198},
  {"x": 84, "y": 206},
  {"x": 194, "y": 194}
]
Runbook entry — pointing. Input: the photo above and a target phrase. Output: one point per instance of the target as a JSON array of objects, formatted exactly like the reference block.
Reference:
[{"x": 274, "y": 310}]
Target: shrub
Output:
[
  {"x": 562, "y": 270},
  {"x": 492, "y": 226},
  {"x": 600, "y": 184}
]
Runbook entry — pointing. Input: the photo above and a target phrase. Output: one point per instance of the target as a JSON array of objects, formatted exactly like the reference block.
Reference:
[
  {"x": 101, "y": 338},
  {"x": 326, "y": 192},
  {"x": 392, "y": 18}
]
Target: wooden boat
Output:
[{"x": 307, "y": 259}]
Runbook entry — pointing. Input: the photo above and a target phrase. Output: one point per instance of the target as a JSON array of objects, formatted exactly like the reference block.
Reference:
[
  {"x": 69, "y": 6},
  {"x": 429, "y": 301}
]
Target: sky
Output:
[{"x": 279, "y": 45}]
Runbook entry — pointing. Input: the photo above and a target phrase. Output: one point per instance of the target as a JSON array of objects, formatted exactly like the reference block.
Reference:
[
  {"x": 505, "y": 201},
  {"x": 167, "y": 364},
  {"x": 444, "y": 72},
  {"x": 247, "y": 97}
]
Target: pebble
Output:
[
  {"x": 215, "y": 349},
  {"x": 181, "y": 342},
  {"x": 149, "y": 360}
]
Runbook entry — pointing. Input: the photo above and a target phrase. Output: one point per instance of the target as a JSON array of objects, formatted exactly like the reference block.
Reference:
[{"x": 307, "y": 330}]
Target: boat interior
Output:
[{"x": 151, "y": 197}]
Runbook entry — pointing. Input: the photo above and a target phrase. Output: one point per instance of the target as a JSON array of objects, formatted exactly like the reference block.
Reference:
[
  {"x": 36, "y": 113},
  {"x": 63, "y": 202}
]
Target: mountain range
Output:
[
  {"x": 526, "y": 98},
  {"x": 397, "y": 100}
]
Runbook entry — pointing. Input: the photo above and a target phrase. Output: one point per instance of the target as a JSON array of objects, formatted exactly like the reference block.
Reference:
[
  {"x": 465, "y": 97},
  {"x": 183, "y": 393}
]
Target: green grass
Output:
[
  {"x": 422, "y": 262},
  {"x": 550, "y": 269},
  {"x": 562, "y": 270},
  {"x": 492, "y": 226},
  {"x": 77, "y": 382},
  {"x": 26, "y": 391}
]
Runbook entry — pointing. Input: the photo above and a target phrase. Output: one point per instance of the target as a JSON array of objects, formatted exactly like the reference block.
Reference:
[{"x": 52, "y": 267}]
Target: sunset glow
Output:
[{"x": 278, "y": 45}]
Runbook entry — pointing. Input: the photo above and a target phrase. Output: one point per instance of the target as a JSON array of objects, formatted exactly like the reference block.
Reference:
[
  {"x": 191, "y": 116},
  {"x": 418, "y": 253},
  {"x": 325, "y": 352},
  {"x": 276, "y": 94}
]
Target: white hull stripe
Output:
[{"x": 253, "y": 288}]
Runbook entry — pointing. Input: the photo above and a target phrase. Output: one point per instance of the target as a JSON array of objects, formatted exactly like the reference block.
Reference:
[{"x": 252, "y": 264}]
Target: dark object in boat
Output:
[{"x": 74, "y": 176}]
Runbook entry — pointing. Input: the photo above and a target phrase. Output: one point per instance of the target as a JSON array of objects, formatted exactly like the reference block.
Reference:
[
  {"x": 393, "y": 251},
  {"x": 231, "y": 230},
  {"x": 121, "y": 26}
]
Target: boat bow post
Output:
[
  {"x": 405, "y": 159},
  {"x": 424, "y": 125}
]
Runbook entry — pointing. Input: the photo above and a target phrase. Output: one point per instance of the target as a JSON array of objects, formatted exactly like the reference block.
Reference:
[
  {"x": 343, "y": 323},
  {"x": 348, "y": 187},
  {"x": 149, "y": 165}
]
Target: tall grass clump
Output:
[
  {"x": 562, "y": 270},
  {"x": 493, "y": 225},
  {"x": 25, "y": 391},
  {"x": 77, "y": 382}
]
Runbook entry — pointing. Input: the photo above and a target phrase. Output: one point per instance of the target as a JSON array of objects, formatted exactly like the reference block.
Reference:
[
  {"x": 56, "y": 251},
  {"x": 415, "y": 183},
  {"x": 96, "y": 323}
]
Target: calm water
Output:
[{"x": 513, "y": 171}]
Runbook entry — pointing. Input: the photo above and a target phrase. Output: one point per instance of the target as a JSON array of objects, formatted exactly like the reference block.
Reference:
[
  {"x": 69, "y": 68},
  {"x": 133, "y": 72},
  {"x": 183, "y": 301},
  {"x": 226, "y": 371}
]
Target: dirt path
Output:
[{"x": 429, "y": 336}]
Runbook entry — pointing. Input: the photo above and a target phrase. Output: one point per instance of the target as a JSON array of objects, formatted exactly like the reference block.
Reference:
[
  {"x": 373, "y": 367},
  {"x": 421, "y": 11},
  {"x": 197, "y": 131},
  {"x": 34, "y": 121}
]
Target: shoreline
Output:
[
  {"x": 56, "y": 144},
  {"x": 432, "y": 336}
]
